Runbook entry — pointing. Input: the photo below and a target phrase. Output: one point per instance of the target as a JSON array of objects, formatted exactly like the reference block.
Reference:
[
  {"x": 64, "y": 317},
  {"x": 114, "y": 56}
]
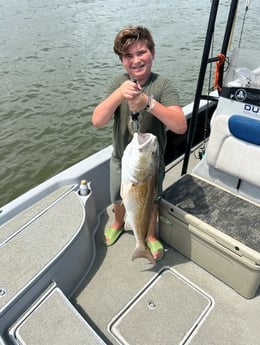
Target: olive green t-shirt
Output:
[{"x": 164, "y": 92}]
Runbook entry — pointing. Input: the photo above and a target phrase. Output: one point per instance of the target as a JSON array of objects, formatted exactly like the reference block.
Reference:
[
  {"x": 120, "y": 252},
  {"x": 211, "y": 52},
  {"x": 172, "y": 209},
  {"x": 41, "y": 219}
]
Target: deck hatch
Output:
[
  {"x": 53, "y": 320},
  {"x": 166, "y": 311}
]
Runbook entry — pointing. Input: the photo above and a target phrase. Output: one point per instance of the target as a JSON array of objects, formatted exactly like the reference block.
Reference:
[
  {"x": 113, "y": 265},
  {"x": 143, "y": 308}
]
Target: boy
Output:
[{"x": 156, "y": 99}]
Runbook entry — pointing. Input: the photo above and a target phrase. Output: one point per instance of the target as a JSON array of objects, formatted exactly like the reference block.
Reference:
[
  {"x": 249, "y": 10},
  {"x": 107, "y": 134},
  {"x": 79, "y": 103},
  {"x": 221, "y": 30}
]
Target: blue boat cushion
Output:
[
  {"x": 245, "y": 128},
  {"x": 236, "y": 155}
]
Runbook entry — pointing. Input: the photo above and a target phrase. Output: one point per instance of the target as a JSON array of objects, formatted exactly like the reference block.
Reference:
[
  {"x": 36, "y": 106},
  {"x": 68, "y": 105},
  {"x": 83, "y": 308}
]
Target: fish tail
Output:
[{"x": 143, "y": 253}]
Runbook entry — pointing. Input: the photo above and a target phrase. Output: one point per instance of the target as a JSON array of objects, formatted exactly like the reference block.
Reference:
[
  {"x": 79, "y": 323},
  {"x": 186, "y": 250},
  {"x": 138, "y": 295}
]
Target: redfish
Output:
[{"x": 138, "y": 187}]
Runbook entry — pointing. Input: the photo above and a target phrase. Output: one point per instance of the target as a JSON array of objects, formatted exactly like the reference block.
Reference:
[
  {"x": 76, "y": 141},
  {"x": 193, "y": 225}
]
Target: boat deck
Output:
[
  {"x": 124, "y": 300},
  {"x": 119, "y": 301},
  {"x": 115, "y": 280}
]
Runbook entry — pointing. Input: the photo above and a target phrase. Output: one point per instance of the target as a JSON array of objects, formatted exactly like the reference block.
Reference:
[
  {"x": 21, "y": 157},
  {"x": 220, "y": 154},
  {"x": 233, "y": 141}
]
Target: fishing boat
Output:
[{"x": 59, "y": 284}]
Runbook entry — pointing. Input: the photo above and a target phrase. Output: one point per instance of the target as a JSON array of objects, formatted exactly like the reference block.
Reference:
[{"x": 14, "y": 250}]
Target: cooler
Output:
[{"x": 214, "y": 228}]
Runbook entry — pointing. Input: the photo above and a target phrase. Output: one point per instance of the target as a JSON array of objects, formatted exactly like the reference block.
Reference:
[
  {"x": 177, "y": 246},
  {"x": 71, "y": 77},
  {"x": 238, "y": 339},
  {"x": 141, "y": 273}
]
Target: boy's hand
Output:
[
  {"x": 130, "y": 89},
  {"x": 138, "y": 103}
]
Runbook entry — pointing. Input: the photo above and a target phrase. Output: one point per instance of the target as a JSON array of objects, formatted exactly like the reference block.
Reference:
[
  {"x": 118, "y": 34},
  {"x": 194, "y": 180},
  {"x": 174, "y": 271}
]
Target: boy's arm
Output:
[
  {"x": 104, "y": 111},
  {"x": 172, "y": 117}
]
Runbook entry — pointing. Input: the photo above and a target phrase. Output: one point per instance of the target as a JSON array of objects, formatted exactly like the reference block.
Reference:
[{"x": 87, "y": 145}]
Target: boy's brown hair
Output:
[{"x": 127, "y": 36}]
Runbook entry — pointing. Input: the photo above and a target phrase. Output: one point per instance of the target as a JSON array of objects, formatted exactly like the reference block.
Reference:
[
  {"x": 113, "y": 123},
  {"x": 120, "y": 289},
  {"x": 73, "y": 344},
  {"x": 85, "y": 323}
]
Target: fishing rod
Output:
[
  {"x": 135, "y": 124},
  {"x": 244, "y": 19},
  {"x": 228, "y": 31}
]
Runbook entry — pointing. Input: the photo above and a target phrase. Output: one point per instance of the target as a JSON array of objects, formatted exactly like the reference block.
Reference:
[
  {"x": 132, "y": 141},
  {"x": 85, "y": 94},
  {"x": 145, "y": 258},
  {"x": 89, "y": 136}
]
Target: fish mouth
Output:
[{"x": 144, "y": 139}]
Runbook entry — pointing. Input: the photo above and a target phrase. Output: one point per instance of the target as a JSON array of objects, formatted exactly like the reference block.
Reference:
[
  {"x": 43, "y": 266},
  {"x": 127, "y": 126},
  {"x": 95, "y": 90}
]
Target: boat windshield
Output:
[{"x": 244, "y": 69}]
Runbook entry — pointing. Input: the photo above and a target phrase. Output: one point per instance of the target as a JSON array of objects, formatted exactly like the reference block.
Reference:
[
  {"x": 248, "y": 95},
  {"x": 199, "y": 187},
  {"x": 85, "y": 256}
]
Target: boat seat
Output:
[
  {"x": 53, "y": 320},
  {"x": 234, "y": 147},
  {"x": 50, "y": 241},
  {"x": 13, "y": 226}
]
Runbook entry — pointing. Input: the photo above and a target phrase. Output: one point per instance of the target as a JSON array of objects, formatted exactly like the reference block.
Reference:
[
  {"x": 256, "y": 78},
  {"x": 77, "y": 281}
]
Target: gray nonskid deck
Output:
[
  {"x": 39, "y": 324},
  {"x": 115, "y": 280}
]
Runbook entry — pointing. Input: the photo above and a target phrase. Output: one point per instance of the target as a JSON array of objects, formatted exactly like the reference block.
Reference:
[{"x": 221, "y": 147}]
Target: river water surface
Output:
[{"x": 56, "y": 59}]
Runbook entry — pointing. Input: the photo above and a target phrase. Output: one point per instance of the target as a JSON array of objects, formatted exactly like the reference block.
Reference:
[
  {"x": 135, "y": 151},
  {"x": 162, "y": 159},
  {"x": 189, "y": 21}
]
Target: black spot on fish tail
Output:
[{"x": 143, "y": 253}]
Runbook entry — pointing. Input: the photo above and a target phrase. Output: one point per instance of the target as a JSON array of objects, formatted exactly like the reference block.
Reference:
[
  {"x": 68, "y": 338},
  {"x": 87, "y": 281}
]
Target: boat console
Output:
[{"x": 212, "y": 215}]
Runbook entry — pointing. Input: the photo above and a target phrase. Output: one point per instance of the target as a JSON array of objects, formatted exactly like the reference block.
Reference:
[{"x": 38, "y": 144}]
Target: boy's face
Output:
[{"x": 138, "y": 61}]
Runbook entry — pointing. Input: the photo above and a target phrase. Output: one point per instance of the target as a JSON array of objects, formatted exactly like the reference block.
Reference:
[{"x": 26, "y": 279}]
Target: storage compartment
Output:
[
  {"x": 170, "y": 309},
  {"x": 53, "y": 320},
  {"x": 214, "y": 228}
]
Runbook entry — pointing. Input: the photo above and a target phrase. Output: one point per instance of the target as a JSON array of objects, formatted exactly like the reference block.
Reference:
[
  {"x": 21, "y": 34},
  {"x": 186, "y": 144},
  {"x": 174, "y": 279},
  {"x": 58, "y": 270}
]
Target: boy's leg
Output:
[
  {"x": 112, "y": 233},
  {"x": 119, "y": 216},
  {"x": 153, "y": 243}
]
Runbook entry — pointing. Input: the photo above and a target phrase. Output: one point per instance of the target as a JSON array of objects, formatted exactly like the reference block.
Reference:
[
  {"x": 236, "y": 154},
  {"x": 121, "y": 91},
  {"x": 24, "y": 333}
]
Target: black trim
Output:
[{"x": 252, "y": 96}]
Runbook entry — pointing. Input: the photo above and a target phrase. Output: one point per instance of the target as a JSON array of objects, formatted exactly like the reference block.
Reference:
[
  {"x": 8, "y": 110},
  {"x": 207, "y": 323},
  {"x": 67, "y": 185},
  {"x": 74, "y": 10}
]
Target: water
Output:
[{"x": 56, "y": 59}]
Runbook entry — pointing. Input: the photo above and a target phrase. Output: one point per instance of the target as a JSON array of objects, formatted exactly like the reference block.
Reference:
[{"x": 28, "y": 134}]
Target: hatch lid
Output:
[{"x": 166, "y": 311}]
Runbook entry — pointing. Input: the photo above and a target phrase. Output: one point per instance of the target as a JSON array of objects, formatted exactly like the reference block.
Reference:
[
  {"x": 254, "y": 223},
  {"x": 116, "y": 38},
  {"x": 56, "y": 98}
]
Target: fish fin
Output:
[
  {"x": 143, "y": 253},
  {"x": 128, "y": 225},
  {"x": 125, "y": 189}
]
